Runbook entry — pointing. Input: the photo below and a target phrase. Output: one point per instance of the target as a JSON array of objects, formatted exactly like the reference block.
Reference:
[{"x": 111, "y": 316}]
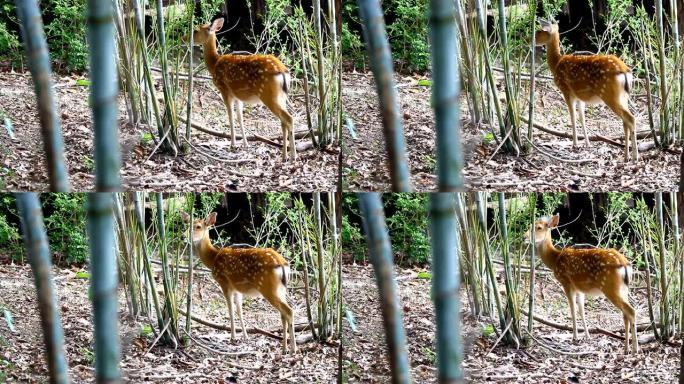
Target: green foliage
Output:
[
  {"x": 407, "y": 221},
  {"x": 65, "y": 30},
  {"x": 407, "y": 30},
  {"x": 66, "y": 33},
  {"x": 552, "y": 8},
  {"x": 424, "y": 275},
  {"x": 10, "y": 239},
  {"x": 66, "y": 227},
  {"x": 350, "y": 40},
  {"x": 408, "y": 33},
  {"x": 551, "y": 201}
]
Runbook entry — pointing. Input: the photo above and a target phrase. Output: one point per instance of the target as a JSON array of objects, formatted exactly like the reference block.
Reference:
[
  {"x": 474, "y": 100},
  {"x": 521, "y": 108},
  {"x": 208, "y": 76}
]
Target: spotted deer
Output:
[
  {"x": 588, "y": 271},
  {"x": 245, "y": 271},
  {"x": 591, "y": 79},
  {"x": 252, "y": 79}
]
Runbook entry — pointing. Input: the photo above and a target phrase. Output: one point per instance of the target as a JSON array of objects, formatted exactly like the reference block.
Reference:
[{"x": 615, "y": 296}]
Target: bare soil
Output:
[
  {"x": 260, "y": 361},
  {"x": 256, "y": 168},
  {"x": 485, "y": 168},
  {"x": 365, "y": 360}
]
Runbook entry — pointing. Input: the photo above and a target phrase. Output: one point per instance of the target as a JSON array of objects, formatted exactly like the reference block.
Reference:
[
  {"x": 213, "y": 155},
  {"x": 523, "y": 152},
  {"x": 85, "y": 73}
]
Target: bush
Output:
[
  {"x": 65, "y": 30},
  {"x": 407, "y": 30},
  {"x": 10, "y": 239},
  {"x": 66, "y": 227}
]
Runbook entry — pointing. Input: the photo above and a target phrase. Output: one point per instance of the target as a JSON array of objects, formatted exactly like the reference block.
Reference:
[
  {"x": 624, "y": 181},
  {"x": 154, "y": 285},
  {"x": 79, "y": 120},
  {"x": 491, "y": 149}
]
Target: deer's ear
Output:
[
  {"x": 546, "y": 27},
  {"x": 211, "y": 219},
  {"x": 185, "y": 217},
  {"x": 553, "y": 223},
  {"x": 217, "y": 25}
]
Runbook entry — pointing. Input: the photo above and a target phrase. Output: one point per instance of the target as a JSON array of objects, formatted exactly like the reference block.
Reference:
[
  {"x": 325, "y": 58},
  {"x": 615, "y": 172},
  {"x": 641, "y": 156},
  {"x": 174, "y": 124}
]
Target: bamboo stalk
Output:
[
  {"x": 380, "y": 252},
  {"x": 39, "y": 64},
  {"x": 381, "y": 65},
  {"x": 445, "y": 94},
  {"x": 104, "y": 283},
  {"x": 104, "y": 92},
  {"x": 445, "y": 287},
  {"x": 35, "y": 240}
]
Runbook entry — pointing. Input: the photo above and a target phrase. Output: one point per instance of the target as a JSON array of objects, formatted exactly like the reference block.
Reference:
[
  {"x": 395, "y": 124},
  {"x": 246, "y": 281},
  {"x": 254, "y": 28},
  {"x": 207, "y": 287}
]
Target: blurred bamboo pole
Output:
[
  {"x": 39, "y": 64},
  {"x": 445, "y": 94},
  {"x": 104, "y": 283},
  {"x": 35, "y": 240},
  {"x": 380, "y": 59},
  {"x": 104, "y": 92},
  {"x": 380, "y": 251},
  {"x": 445, "y": 286}
]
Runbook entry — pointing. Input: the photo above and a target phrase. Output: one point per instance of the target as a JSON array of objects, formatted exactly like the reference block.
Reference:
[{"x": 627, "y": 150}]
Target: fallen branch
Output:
[
  {"x": 557, "y": 350},
  {"x": 298, "y": 327},
  {"x": 569, "y": 136},
  {"x": 559, "y": 158}
]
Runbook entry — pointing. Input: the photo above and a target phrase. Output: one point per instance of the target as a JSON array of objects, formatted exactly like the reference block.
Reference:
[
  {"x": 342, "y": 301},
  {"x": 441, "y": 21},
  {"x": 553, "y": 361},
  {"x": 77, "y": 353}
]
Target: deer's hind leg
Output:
[
  {"x": 620, "y": 300},
  {"x": 286, "y": 122}
]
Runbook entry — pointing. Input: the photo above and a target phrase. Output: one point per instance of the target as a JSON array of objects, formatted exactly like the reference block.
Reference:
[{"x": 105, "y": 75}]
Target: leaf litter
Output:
[{"x": 364, "y": 350}]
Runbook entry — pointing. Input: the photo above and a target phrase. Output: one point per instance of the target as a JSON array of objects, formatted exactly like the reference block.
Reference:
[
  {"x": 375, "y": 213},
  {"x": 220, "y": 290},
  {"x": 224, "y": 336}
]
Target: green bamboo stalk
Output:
[
  {"x": 147, "y": 74},
  {"x": 147, "y": 265},
  {"x": 511, "y": 299},
  {"x": 104, "y": 91},
  {"x": 664, "y": 120},
  {"x": 380, "y": 59},
  {"x": 169, "y": 106},
  {"x": 533, "y": 263},
  {"x": 380, "y": 252},
  {"x": 191, "y": 45},
  {"x": 322, "y": 313},
  {"x": 511, "y": 107},
  {"x": 39, "y": 64},
  {"x": 170, "y": 308},
  {"x": 103, "y": 283},
  {"x": 664, "y": 302},
  {"x": 191, "y": 266},
  {"x": 445, "y": 94},
  {"x": 489, "y": 74},
  {"x": 482, "y": 221},
  {"x": 35, "y": 240},
  {"x": 445, "y": 287},
  {"x": 530, "y": 116}
]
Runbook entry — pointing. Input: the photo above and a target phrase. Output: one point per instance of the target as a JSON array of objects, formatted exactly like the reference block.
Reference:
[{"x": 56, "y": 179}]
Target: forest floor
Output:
[
  {"x": 597, "y": 168},
  {"x": 255, "y": 168},
  {"x": 256, "y": 360},
  {"x": 364, "y": 356}
]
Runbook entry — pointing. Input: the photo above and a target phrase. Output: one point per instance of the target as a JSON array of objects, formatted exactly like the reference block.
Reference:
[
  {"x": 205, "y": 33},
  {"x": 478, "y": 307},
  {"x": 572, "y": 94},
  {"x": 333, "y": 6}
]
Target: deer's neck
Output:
[
  {"x": 553, "y": 52},
  {"x": 206, "y": 251},
  {"x": 547, "y": 252},
  {"x": 211, "y": 54}
]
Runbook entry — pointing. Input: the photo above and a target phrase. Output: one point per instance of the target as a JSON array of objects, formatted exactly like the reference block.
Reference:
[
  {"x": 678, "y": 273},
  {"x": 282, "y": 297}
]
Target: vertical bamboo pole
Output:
[
  {"x": 104, "y": 91},
  {"x": 191, "y": 73},
  {"x": 533, "y": 268},
  {"x": 445, "y": 93},
  {"x": 381, "y": 65},
  {"x": 39, "y": 65},
  {"x": 664, "y": 305},
  {"x": 103, "y": 283},
  {"x": 191, "y": 268},
  {"x": 35, "y": 240},
  {"x": 380, "y": 252},
  {"x": 445, "y": 287}
]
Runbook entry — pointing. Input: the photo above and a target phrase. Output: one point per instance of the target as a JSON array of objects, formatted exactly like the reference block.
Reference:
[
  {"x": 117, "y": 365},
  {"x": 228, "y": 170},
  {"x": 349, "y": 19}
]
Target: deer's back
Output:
[
  {"x": 248, "y": 269},
  {"x": 590, "y": 78},
  {"x": 590, "y": 270}
]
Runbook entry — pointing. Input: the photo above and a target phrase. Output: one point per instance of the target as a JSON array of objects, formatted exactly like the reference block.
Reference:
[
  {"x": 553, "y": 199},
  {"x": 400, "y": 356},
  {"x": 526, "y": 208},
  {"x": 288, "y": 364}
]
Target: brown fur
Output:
[
  {"x": 248, "y": 271},
  {"x": 590, "y": 79},
  {"x": 587, "y": 271}
]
